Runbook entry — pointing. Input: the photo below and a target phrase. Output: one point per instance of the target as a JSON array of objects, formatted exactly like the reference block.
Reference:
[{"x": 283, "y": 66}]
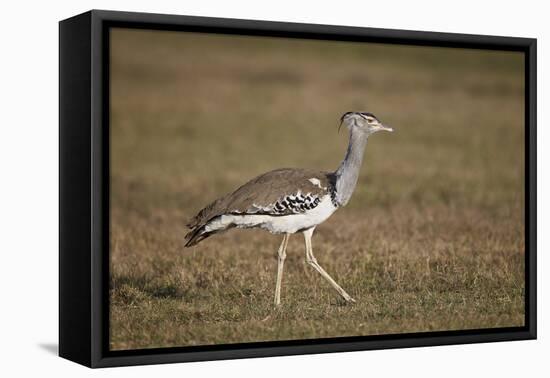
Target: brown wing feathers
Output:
[{"x": 279, "y": 192}]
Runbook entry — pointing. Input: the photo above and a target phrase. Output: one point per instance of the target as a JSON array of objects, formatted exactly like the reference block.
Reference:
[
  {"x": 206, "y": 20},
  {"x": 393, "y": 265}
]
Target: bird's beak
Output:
[
  {"x": 339, "y": 127},
  {"x": 385, "y": 128}
]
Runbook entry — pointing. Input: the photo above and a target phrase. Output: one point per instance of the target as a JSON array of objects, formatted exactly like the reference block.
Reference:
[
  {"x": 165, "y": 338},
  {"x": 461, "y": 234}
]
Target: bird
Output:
[{"x": 291, "y": 200}]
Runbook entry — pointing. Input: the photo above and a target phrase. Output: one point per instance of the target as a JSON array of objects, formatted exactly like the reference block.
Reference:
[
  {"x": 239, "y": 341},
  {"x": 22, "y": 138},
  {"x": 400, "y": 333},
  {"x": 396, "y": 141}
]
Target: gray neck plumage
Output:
[{"x": 347, "y": 174}]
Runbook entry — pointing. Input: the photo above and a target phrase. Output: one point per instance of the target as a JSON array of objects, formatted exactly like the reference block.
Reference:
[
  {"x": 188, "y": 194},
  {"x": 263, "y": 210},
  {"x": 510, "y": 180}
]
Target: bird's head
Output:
[{"x": 362, "y": 121}]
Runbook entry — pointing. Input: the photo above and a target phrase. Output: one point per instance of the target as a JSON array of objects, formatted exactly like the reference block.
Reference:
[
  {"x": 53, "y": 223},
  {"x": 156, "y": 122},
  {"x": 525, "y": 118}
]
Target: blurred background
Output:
[{"x": 431, "y": 240}]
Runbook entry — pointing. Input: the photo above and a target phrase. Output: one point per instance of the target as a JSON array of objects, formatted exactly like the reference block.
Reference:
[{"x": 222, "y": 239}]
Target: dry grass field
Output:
[{"x": 432, "y": 239}]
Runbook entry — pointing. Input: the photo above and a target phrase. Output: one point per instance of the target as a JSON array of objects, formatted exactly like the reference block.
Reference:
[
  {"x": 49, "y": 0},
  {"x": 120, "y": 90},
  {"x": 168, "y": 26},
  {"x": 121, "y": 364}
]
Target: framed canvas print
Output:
[{"x": 234, "y": 188}]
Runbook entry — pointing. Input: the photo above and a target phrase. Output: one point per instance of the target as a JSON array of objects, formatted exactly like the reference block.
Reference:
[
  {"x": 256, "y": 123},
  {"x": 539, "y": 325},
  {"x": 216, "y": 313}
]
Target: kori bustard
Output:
[{"x": 290, "y": 200}]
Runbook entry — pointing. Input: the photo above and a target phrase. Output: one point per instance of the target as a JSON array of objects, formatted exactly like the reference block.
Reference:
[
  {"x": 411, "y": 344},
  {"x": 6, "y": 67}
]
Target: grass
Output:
[{"x": 432, "y": 239}]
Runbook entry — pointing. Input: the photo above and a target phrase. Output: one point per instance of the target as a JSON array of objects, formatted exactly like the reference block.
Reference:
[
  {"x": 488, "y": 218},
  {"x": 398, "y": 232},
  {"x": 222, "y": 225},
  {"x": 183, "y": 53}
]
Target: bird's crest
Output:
[{"x": 362, "y": 114}]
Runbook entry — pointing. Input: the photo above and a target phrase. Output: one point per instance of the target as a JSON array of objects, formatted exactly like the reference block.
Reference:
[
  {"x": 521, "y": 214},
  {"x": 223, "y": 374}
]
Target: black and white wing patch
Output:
[
  {"x": 296, "y": 204},
  {"x": 287, "y": 205}
]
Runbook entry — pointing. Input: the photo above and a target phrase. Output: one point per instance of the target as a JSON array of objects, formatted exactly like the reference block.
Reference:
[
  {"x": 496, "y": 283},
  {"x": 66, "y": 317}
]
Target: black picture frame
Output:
[{"x": 84, "y": 188}]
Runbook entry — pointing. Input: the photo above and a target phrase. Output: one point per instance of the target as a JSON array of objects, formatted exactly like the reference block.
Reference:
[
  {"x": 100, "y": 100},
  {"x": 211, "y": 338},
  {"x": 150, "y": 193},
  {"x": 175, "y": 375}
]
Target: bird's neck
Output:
[{"x": 348, "y": 171}]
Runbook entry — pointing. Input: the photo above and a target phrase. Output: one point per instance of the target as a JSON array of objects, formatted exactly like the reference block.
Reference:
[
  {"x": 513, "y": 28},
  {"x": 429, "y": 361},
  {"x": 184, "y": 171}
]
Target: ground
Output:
[{"x": 432, "y": 239}]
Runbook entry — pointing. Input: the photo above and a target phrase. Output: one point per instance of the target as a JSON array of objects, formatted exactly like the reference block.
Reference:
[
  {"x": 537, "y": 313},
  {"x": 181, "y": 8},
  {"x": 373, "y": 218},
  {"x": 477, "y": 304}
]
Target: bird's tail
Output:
[
  {"x": 195, "y": 236},
  {"x": 199, "y": 232}
]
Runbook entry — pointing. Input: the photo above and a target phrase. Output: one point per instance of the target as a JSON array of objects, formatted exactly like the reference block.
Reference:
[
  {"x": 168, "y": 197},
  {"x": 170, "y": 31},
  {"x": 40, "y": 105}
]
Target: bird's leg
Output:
[
  {"x": 311, "y": 260},
  {"x": 281, "y": 261}
]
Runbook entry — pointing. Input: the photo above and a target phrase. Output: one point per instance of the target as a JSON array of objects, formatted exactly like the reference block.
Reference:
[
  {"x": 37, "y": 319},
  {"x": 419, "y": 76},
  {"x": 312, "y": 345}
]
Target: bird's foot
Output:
[{"x": 347, "y": 298}]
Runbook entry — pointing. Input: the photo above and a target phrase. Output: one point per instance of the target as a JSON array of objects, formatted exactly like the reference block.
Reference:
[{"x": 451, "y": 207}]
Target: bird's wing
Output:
[{"x": 280, "y": 192}]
